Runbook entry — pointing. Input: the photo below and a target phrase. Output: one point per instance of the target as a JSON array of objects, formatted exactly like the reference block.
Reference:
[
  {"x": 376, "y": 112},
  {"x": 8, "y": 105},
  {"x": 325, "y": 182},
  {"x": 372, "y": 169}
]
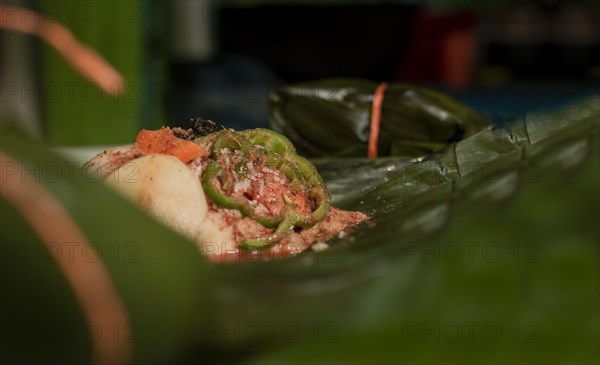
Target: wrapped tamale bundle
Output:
[{"x": 333, "y": 117}]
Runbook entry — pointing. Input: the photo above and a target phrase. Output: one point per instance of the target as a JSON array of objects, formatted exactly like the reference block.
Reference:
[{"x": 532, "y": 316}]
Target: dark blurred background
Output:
[{"x": 221, "y": 59}]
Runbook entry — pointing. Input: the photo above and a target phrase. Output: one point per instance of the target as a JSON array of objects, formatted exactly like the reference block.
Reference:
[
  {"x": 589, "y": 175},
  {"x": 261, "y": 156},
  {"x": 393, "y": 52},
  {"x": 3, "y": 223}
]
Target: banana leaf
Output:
[
  {"x": 158, "y": 276},
  {"x": 399, "y": 272},
  {"x": 482, "y": 253},
  {"x": 332, "y": 118}
]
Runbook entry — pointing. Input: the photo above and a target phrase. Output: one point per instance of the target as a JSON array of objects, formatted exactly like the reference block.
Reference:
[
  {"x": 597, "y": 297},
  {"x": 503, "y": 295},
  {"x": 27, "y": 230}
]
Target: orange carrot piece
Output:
[{"x": 163, "y": 141}]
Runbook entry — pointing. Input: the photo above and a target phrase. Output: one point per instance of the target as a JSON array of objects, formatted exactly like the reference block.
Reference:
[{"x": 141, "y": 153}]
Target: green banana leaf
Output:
[
  {"x": 486, "y": 252},
  {"x": 332, "y": 118},
  {"x": 396, "y": 291}
]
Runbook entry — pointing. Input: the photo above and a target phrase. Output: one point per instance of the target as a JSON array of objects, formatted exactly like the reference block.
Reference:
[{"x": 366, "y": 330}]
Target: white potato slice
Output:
[{"x": 165, "y": 187}]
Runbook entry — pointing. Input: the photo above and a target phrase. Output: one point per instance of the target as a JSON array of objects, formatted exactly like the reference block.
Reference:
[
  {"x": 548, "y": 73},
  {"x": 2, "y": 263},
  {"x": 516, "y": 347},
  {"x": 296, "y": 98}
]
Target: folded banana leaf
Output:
[
  {"x": 482, "y": 253},
  {"x": 332, "y": 118}
]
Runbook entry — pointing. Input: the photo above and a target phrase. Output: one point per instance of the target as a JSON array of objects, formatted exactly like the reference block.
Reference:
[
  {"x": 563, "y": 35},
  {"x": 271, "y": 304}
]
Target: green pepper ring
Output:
[{"x": 279, "y": 154}]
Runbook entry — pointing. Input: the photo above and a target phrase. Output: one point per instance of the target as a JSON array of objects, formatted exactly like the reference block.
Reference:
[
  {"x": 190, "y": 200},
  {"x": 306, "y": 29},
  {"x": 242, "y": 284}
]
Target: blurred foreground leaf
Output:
[{"x": 160, "y": 277}]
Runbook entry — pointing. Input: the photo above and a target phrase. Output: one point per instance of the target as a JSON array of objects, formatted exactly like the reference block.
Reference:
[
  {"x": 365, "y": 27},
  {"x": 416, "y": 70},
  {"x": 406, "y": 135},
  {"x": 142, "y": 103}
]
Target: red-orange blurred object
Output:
[{"x": 441, "y": 49}]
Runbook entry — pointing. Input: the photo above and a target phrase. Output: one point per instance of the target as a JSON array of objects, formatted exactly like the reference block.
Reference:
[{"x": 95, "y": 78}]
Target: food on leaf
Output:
[{"x": 239, "y": 195}]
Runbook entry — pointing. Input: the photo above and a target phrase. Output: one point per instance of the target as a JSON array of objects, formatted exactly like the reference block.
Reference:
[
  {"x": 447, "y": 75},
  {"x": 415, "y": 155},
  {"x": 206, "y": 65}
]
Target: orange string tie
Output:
[{"x": 376, "y": 119}]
